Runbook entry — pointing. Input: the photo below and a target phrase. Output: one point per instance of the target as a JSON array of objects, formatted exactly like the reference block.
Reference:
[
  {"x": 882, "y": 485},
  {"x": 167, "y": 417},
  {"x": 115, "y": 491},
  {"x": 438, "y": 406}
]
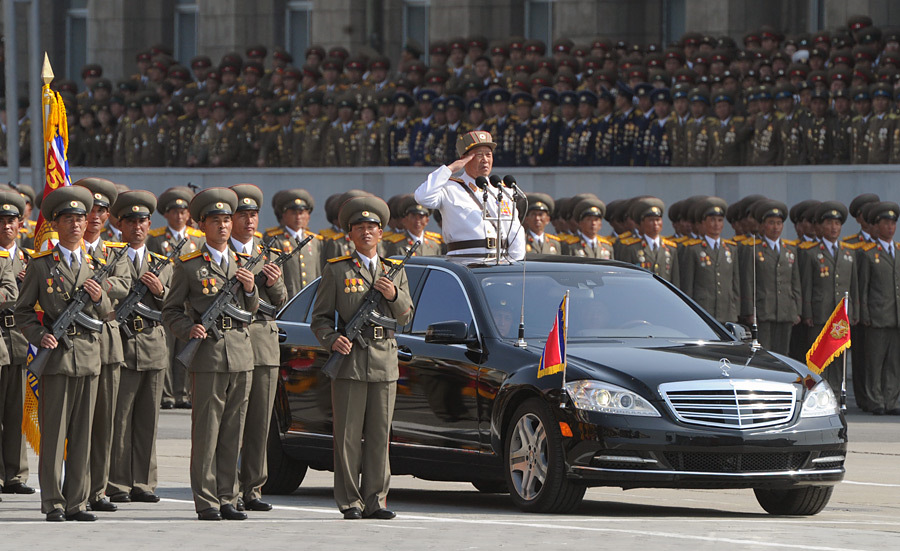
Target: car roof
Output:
[{"x": 543, "y": 263}]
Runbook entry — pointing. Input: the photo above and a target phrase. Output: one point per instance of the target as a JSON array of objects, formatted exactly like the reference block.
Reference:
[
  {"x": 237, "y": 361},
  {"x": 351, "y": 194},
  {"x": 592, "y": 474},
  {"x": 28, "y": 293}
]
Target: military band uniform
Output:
[
  {"x": 778, "y": 297},
  {"x": 711, "y": 276}
]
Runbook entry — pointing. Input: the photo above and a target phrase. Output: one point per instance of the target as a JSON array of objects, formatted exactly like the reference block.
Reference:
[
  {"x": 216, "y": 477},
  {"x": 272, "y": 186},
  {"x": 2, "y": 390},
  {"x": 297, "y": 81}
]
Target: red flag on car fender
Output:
[
  {"x": 834, "y": 339},
  {"x": 553, "y": 358}
]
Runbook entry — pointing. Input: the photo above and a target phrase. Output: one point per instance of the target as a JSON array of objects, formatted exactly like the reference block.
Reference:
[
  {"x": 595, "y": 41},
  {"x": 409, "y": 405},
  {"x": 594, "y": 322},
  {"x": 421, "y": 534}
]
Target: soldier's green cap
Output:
[
  {"x": 408, "y": 205},
  {"x": 796, "y": 212},
  {"x": 675, "y": 210},
  {"x": 883, "y": 210},
  {"x": 809, "y": 213},
  {"x": 333, "y": 203},
  {"x": 104, "y": 191},
  {"x": 298, "y": 199},
  {"x": 178, "y": 197},
  {"x": 11, "y": 203},
  {"x": 26, "y": 191},
  {"x": 578, "y": 198},
  {"x": 831, "y": 210},
  {"x": 859, "y": 201},
  {"x": 613, "y": 208},
  {"x": 250, "y": 197},
  {"x": 363, "y": 208},
  {"x": 746, "y": 205},
  {"x": 134, "y": 204},
  {"x": 394, "y": 204},
  {"x": 67, "y": 200},
  {"x": 768, "y": 208},
  {"x": 540, "y": 201},
  {"x": 709, "y": 206},
  {"x": 589, "y": 207},
  {"x": 473, "y": 139},
  {"x": 649, "y": 206},
  {"x": 213, "y": 200}
]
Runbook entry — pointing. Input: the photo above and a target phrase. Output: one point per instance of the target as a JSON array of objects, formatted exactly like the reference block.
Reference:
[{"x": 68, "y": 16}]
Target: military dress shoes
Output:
[
  {"x": 230, "y": 513},
  {"x": 257, "y": 505},
  {"x": 240, "y": 505},
  {"x": 381, "y": 514},
  {"x": 103, "y": 505},
  {"x": 183, "y": 405},
  {"x": 56, "y": 515},
  {"x": 17, "y": 488},
  {"x": 82, "y": 516},
  {"x": 167, "y": 405},
  {"x": 209, "y": 514},
  {"x": 144, "y": 497},
  {"x": 353, "y": 513},
  {"x": 878, "y": 411},
  {"x": 121, "y": 497}
]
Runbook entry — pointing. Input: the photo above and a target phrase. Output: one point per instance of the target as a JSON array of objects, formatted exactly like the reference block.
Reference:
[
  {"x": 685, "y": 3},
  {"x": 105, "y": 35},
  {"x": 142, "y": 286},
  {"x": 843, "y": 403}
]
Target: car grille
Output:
[
  {"x": 731, "y": 403},
  {"x": 735, "y": 462}
]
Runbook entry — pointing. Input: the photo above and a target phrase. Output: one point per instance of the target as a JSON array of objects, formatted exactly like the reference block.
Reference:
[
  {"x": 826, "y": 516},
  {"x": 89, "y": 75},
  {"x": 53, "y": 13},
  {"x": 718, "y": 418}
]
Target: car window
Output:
[
  {"x": 442, "y": 299},
  {"x": 299, "y": 309}
]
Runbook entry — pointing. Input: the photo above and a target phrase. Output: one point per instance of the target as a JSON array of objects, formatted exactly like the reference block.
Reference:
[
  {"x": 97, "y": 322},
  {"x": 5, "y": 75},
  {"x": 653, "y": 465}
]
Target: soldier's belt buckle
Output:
[
  {"x": 378, "y": 332},
  {"x": 226, "y": 323},
  {"x": 65, "y": 296},
  {"x": 9, "y": 321},
  {"x": 491, "y": 242},
  {"x": 71, "y": 331},
  {"x": 138, "y": 324}
]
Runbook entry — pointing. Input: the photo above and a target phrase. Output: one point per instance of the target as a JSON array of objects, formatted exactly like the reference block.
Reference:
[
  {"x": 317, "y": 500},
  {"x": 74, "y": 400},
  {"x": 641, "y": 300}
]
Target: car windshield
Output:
[{"x": 603, "y": 303}]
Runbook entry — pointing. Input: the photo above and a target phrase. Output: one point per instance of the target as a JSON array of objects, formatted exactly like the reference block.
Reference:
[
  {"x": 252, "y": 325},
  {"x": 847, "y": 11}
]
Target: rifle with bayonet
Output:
[
  {"x": 367, "y": 315},
  {"x": 222, "y": 304},
  {"x": 74, "y": 314},
  {"x": 132, "y": 304},
  {"x": 280, "y": 261}
]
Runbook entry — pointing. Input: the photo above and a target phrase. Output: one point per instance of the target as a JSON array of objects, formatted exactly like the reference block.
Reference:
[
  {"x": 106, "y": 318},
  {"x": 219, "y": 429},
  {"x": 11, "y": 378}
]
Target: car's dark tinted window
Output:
[
  {"x": 414, "y": 274},
  {"x": 300, "y": 309},
  {"x": 442, "y": 299}
]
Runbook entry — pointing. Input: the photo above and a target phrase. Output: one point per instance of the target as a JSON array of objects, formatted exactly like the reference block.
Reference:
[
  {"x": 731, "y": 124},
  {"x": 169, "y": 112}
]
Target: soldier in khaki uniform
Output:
[
  {"x": 293, "y": 208},
  {"x": 880, "y": 130},
  {"x": 879, "y": 281},
  {"x": 709, "y": 264},
  {"x": 111, "y": 355},
  {"x": 266, "y": 355},
  {"x": 777, "y": 279},
  {"x": 14, "y": 456},
  {"x": 765, "y": 145},
  {"x": 729, "y": 133},
  {"x": 828, "y": 271},
  {"x": 132, "y": 476},
  {"x": 414, "y": 219},
  {"x": 535, "y": 220},
  {"x": 221, "y": 369},
  {"x": 341, "y": 146},
  {"x": 149, "y": 134},
  {"x": 365, "y": 388},
  {"x": 588, "y": 214},
  {"x": 69, "y": 384},
  {"x": 651, "y": 251},
  {"x": 859, "y": 126}
]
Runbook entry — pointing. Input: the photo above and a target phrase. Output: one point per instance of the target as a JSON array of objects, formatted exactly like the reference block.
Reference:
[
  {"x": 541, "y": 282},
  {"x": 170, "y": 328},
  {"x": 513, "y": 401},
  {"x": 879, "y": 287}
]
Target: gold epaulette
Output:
[
  {"x": 157, "y": 232},
  {"x": 552, "y": 237},
  {"x": 809, "y": 244},
  {"x": 669, "y": 242},
  {"x": 23, "y": 230},
  {"x": 435, "y": 235},
  {"x": 29, "y": 252},
  {"x": 459, "y": 180},
  {"x": 793, "y": 243},
  {"x": 42, "y": 253},
  {"x": 115, "y": 244},
  {"x": 677, "y": 240},
  {"x": 159, "y": 256},
  {"x": 257, "y": 235},
  {"x": 190, "y": 256},
  {"x": 331, "y": 235},
  {"x": 853, "y": 246},
  {"x": 394, "y": 238},
  {"x": 4, "y": 254},
  {"x": 850, "y": 238},
  {"x": 570, "y": 239},
  {"x": 195, "y": 232},
  {"x": 339, "y": 258},
  {"x": 98, "y": 259},
  {"x": 603, "y": 239},
  {"x": 393, "y": 261},
  {"x": 277, "y": 230},
  {"x": 739, "y": 238},
  {"x": 691, "y": 242},
  {"x": 625, "y": 235},
  {"x": 751, "y": 241},
  {"x": 869, "y": 246},
  {"x": 729, "y": 242},
  {"x": 242, "y": 254}
]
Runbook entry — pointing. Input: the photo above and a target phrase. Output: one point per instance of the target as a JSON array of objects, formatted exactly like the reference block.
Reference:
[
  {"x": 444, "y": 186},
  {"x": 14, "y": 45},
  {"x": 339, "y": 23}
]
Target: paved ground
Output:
[{"x": 864, "y": 513}]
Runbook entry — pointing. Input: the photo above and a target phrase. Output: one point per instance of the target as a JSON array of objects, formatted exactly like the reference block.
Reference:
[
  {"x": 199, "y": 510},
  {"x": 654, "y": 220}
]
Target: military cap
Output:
[
  {"x": 11, "y": 203},
  {"x": 661, "y": 94},
  {"x": 589, "y": 207},
  {"x": 883, "y": 210},
  {"x": 476, "y": 138},
  {"x": 723, "y": 96},
  {"x": 143, "y": 55},
  {"x": 66, "y": 200},
  {"x": 281, "y": 54},
  {"x": 91, "y": 70},
  {"x": 200, "y": 62},
  {"x": 540, "y": 201},
  {"x": 102, "y": 84},
  {"x": 250, "y": 197},
  {"x": 830, "y": 210},
  {"x": 299, "y": 199},
  {"x": 648, "y": 206},
  {"x": 402, "y": 98},
  {"x": 476, "y": 103},
  {"x": 568, "y": 98},
  {"x": 103, "y": 190},
  {"x": 882, "y": 89},
  {"x": 440, "y": 104},
  {"x": 699, "y": 94},
  {"x": 438, "y": 48},
  {"x": 214, "y": 200},
  {"x": 394, "y": 204},
  {"x": 573, "y": 202},
  {"x": 680, "y": 92},
  {"x": 257, "y": 50},
  {"x": 709, "y": 206},
  {"x": 408, "y": 205},
  {"x": 26, "y": 191},
  {"x": 785, "y": 91},
  {"x": 612, "y": 210},
  {"x": 588, "y": 97},
  {"x": 130, "y": 204},
  {"x": 768, "y": 208},
  {"x": 624, "y": 90},
  {"x": 859, "y": 201},
  {"x": 426, "y": 95},
  {"x": 548, "y": 94},
  {"x": 860, "y": 93},
  {"x": 178, "y": 197},
  {"x": 675, "y": 210},
  {"x": 857, "y": 22},
  {"x": 764, "y": 92},
  {"x": 809, "y": 213},
  {"x": 364, "y": 208},
  {"x": 522, "y": 98},
  {"x": 332, "y": 206},
  {"x": 357, "y": 63},
  {"x": 796, "y": 212},
  {"x": 455, "y": 101}
]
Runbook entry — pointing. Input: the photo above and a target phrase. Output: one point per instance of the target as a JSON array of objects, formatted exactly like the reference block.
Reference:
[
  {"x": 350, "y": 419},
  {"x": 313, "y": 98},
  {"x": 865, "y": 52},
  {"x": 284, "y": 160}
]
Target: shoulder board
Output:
[
  {"x": 739, "y": 238},
  {"x": 157, "y": 232},
  {"x": 690, "y": 242},
  {"x": 190, "y": 256},
  {"x": 630, "y": 240},
  {"x": 809, "y": 244},
  {"x": 115, "y": 244},
  {"x": 434, "y": 235},
  {"x": 853, "y": 246},
  {"x": 257, "y": 234},
  {"x": 274, "y": 231},
  {"x": 394, "y": 238},
  {"x": 42, "y": 253},
  {"x": 98, "y": 259},
  {"x": 23, "y": 230},
  {"x": 552, "y": 237},
  {"x": 849, "y": 238},
  {"x": 393, "y": 261},
  {"x": 458, "y": 180},
  {"x": 677, "y": 240},
  {"x": 4, "y": 254},
  {"x": 729, "y": 242},
  {"x": 339, "y": 258},
  {"x": 332, "y": 235},
  {"x": 195, "y": 232},
  {"x": 570, "y": 239},
  {"x": 603, "y": 239},
  {"x": 738, "y": 119},
  {"x": 243, "y": 255},
  {"x": 869, "y": 246},
  {"x": 669, "y": 243},
  {"x": 159, "y": 256},
  {"x": 29, "y": 252},
  {"x": 793, "y": 242},
  {"x": 751, "y": 241}
]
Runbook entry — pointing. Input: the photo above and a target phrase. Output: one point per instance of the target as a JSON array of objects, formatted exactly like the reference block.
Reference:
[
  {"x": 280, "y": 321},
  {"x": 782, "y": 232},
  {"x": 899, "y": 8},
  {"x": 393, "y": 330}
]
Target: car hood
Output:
[{"x": 657, "y": 361}]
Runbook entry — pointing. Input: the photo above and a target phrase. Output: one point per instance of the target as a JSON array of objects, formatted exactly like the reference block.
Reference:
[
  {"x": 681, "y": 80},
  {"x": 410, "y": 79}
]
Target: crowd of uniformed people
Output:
[{"x": 830, "y": 97}]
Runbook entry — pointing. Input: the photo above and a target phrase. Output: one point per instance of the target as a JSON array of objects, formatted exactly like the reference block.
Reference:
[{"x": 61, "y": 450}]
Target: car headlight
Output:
[
  {"x": 820, "y": 402},
  {"x": 607, "y": 398}
]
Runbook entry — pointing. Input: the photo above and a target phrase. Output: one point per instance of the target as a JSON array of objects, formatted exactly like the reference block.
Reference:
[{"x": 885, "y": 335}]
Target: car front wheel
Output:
[
  {"x": 285, "y": 473},
  {"x": 535, "y": 463},
  {"x": 808, "y": 500}
]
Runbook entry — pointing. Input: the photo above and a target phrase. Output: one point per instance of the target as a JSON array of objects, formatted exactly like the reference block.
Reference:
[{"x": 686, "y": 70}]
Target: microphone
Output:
[
  {"x": 481, "y": 182},
  {"x": 496, "y": 181},
  {"x": 510, "y": 181}
]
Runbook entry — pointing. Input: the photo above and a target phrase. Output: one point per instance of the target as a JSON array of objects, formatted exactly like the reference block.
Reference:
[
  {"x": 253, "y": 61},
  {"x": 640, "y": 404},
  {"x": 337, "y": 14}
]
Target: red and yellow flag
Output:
[
  {"x": 553, "y": 358},
  {"x": 834, "y": 339}
]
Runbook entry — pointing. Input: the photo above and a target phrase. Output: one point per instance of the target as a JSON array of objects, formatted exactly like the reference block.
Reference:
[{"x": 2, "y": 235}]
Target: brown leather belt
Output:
[
  {"x": 487, "y": 243},
  {"x": 7, "y": 319},
  {"x": 139, "y": 324},
  {"x": 376, "y": 333},
  {"x": 227, "y": 323}
]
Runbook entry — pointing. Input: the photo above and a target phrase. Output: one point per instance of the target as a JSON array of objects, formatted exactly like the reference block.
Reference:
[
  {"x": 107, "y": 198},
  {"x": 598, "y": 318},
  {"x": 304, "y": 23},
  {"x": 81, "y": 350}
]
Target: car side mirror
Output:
[
  {"x": 740, "y": 332},
  {"x": 447, "y": 332}
]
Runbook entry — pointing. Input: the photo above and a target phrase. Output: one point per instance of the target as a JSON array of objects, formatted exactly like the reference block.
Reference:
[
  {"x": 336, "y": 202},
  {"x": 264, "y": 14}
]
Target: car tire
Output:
[
  {"x": 491, "y": 486},
  {"x": 285, "y": 473},
  {"x": 534, "y": 462},
  {"x": 808, "y": 500}
]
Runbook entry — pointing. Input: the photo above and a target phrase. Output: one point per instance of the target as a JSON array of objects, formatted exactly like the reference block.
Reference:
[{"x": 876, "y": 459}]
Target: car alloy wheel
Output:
[{"x": 528, "y": 456}]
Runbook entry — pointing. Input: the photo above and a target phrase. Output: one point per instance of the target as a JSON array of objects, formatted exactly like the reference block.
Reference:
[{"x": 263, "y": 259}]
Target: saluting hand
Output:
[
  {"x": 245, "y": 276},
  {"x": 458, "y": 164},
  {"x": 386, "y": 287},
  {"x": 272, "y": 272}
]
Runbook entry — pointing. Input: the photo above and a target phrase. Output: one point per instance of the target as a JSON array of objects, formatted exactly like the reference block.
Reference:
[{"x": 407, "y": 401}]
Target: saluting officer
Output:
[
  {"x": 221, "y": 370},
  {"x": 266, "y": 359},
  {"x": 69, "y": 384},
  {"x": 364, "y": 391},
  {"x": 133, "y": 471},
  {"x": 829, "y": 271},
  {"x": 709, "y": 269},
  {"x": 588, "y": 215},
  {"x": 651, "y": 251},
  {"x": 777, "y": 278},
  {"x": 14, "y": 457},
  {"x": 414, "y": 219},
  {"x": 538, "y": 241},
  {"x": 294, "y": 207}
]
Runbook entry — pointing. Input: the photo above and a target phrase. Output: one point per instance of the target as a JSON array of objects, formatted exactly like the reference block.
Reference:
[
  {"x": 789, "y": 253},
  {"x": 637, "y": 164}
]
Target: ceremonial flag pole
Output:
[
  {"x": 844, "y": 374},
  {"x": 834, "y": 339},
  {"x": 553, "y": 358}
]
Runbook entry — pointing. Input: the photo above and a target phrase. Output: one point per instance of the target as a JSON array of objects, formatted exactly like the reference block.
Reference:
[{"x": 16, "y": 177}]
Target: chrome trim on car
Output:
[
  {"x": 801, "y": 472},
  {"x": 829, "y": 459},
  {"x": 624, "y": 459},
  {"x": 731, "y": 403}
]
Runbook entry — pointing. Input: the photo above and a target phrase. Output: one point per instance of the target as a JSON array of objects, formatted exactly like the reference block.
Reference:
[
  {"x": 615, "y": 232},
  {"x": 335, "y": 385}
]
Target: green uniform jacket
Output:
[
  {"x": 117, "y": 285},
  {"x": 83, "y": 358},
  {"x": 342, "y": 289},
  {"x": 15, "y": 341},
  {"x": 825, "y": 279},
  {"x": 778, "y": 296},
  {"x": 304, "y": 267},
  {"x": 148, "y": 350},
  {"x": 662, "y": 262},
  {"x": 398, "y": 244},
  {"x": 712, "y": 278},
  {"x": 550, "y": 244},
  {"x": 161, "y": 241},
  {"x": 604, "y": 249},
  {"x": 186, "y": 302},
  {"x": 879, "y": 286}
]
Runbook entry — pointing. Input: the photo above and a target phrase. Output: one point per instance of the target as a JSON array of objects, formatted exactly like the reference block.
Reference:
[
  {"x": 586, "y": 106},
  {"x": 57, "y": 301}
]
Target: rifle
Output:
[
  {"x": 222, "y": 305},
  {"x": 264, "y": 307},
  {"x": 132, "y": 303},
  {"x": 366, "y": 315},
  {"x": 74, "y": 314}
]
